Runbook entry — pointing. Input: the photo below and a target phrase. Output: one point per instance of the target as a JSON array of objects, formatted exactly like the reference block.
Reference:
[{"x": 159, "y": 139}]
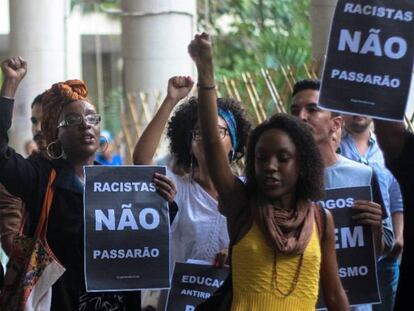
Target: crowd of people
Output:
[{"x": 265, "y": 223}]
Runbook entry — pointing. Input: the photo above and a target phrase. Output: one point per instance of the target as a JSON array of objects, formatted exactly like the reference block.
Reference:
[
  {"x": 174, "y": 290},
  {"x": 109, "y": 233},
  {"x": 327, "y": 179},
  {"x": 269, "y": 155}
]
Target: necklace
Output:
[{"x": 295, "y": 277}]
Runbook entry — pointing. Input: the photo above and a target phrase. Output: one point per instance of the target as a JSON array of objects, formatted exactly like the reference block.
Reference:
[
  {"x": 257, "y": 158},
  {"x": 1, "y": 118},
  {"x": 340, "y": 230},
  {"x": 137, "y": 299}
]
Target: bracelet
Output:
[{"x": 207, "y": 88}]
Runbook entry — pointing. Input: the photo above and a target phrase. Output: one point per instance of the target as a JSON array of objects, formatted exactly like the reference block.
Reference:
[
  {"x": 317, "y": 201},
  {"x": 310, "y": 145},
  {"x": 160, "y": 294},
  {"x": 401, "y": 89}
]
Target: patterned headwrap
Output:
[{"x": 228, "y": 116}]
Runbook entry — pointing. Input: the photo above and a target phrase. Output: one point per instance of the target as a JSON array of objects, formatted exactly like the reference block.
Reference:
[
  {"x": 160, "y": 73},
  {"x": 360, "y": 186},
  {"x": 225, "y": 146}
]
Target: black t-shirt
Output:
[{"x": 403, "y": 169}]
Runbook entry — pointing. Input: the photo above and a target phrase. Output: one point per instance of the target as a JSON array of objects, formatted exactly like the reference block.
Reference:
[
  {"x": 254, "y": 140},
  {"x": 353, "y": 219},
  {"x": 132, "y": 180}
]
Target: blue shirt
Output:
[
  {"x": 390, "y": 189},
  {"x": 350, "y": 151},
  {"x": 116, "y": 159}
]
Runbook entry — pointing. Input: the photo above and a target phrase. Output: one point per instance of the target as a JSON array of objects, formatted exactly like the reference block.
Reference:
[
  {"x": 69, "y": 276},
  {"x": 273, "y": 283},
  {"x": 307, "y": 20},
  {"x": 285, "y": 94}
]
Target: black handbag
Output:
[{"x": 221, "y": 299}]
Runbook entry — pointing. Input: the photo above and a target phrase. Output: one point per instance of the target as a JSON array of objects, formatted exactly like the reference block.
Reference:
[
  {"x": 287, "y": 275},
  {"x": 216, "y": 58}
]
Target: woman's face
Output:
[
  {"x": 79, "y": 130},
  {"x": 276, "y": 164},
  {"x": 197, "y": 141}
]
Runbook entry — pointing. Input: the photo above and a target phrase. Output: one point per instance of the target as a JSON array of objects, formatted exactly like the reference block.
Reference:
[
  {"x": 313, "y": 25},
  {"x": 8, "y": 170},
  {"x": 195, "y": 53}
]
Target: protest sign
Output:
[
  {"x": 126, "y": 229},
  {"x": 192, "y": 284},
  {"x": 354, "y": 246},
  {"x": 369, "y": 61}
]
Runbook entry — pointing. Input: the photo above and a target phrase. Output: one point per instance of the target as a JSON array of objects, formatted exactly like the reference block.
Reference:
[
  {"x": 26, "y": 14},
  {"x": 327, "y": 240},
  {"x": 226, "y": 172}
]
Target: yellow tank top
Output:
[{"x": 253, "y": 270}]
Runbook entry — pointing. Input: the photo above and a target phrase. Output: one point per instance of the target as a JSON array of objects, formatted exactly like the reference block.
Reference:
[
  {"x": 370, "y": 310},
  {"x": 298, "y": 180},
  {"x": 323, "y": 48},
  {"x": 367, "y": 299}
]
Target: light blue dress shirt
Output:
[{"x": 374, "y": 157}]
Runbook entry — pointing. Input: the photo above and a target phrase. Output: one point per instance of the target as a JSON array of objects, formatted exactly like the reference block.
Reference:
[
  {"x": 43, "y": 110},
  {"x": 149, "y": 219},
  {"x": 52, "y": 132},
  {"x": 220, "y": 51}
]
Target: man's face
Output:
[
  {"x": 357, "y": 124},
  {"x": 305, "y": 107},
  {"x": 36, "y": 120}
]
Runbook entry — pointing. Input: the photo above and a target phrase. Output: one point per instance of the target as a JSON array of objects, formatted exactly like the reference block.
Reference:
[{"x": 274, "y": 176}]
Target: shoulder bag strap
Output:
[
  {"x": 320, "y": 218},
  {"x": 47, "y": 204}
]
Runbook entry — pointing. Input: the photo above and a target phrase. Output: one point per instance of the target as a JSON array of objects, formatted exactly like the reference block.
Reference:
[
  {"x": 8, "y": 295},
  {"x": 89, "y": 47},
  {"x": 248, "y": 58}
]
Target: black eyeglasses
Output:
[
  {"x": 77, "y": 119},
  {"x": 196, "y": 133}
]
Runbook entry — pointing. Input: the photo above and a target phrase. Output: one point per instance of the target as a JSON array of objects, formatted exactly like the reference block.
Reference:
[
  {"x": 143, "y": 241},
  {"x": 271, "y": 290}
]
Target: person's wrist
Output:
[
  {"x": 9, "y": 87},
  {"x": 171, "y": 101},
  {"x": 205, "y": 78}
]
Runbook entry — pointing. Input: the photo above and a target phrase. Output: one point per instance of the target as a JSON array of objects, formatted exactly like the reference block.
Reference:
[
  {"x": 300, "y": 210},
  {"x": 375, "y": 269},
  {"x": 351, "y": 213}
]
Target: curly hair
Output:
[
  {"x": 53, "y": 102},
  {"x": 183, "y": 122},
  {"x": 310, "y": 183}
]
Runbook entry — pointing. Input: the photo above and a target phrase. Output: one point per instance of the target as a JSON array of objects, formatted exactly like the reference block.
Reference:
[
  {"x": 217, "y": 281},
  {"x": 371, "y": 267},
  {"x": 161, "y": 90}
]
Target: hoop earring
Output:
[
  {"x": 106, "y": 143},
  {"x": 49, "y": 150}
]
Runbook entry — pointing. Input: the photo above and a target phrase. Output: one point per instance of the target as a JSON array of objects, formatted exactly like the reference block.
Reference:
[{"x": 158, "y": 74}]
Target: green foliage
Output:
[{"x": 257, "y": 33}]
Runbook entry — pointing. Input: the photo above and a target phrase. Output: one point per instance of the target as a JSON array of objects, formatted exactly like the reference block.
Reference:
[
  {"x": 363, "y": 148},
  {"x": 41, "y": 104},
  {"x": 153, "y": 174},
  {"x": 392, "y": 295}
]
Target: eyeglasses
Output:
[
  {"x": 77, "y": 119},
  {"x": 196, "y": 133}
]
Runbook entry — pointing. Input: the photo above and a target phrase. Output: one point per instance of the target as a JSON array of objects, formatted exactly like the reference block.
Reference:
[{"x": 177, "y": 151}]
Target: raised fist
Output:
[
  {"x": 200, "y": 49},
  {"x": 179, "y": 87},
  {"x": 14, "y": 68}
]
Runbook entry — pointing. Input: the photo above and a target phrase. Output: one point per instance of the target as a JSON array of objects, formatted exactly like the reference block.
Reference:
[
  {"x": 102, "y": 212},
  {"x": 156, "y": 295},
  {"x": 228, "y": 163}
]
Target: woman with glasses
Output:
[
  {"x": 71, "y": 129},
  {"x": 198, "y": 231}
]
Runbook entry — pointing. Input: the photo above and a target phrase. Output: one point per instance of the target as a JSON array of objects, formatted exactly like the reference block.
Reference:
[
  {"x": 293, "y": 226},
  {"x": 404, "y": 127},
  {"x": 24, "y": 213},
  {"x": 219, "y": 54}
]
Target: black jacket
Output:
[{"x": 27, "y": 178}]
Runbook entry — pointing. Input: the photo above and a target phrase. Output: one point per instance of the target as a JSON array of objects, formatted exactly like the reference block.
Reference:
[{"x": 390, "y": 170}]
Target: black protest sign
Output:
[
  {"x": 126, "y": 229},
  {"x": 192, "y": 284},
  {"x": 354, "y": 246},
  {"x": 369, "y": 62}
]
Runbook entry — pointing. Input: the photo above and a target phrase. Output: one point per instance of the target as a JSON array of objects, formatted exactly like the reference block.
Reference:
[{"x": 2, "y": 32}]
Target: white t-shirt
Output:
[{"x": 198, "y": 231}]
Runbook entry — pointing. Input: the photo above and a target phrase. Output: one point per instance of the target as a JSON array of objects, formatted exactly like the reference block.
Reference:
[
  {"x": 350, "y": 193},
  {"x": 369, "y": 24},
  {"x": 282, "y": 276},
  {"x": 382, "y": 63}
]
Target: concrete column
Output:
[
  {"x": 73, "y": 56},
  {"x": 321, "y": 14},
  {"x": 36, "y": 34},
  {"x": 155, "y": 36}
]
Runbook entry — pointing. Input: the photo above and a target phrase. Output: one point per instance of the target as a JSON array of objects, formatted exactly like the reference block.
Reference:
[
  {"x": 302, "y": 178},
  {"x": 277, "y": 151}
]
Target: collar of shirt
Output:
[
  {"x": 349, "y": 149},
  {"x": 372, "y": 140}
]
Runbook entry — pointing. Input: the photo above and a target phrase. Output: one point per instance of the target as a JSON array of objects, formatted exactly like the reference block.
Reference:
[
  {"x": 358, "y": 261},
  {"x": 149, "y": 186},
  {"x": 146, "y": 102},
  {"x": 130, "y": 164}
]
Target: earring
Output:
[
  {"x": 49, "y": 150},
  {"x": 103, "y": 141}
]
